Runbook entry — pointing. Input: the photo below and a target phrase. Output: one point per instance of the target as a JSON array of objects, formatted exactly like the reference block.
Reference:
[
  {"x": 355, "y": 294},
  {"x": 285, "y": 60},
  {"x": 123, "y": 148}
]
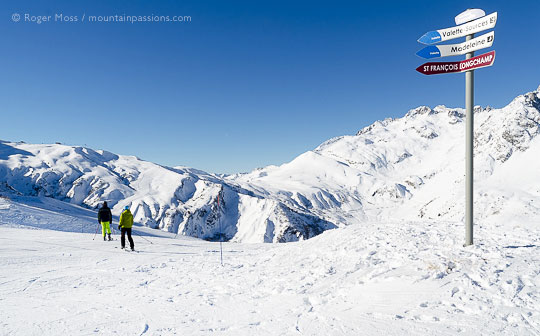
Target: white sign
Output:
[
  {"x": 436, "y": 36},
  {"x": 443, "y": 50}
]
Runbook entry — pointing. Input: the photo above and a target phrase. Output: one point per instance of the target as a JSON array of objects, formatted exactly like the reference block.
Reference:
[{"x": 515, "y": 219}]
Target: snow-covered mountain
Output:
[
  {"x": 413, "y": 167},
  {"x": 173, "y": 199},
  {"x": 408, "y": 168}
]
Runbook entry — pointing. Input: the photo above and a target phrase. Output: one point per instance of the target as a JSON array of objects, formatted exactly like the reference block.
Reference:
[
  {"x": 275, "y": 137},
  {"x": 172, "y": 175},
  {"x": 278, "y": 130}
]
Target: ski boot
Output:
[{"x": 110, "y": 237}]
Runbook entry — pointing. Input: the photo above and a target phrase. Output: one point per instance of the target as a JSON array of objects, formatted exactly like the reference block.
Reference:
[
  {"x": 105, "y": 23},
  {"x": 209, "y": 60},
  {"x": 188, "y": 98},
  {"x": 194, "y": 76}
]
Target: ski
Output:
[{"x": 127, "y": 249}]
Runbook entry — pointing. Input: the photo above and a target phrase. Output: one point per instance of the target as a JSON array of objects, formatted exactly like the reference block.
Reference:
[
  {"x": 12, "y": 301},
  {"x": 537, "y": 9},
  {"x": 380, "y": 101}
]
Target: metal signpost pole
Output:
[{"x": 469, "y": 140}]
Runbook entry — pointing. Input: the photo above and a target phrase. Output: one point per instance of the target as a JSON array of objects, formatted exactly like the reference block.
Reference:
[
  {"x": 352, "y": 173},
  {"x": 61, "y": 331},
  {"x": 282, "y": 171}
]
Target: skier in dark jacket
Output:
[{"x": 105, "y": 219}]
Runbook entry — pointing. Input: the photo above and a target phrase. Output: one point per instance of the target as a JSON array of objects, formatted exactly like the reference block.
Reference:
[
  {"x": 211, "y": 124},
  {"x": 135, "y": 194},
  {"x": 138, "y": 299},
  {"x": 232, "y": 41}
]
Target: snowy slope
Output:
[
  {"x": 383, "y": 278},
  {"x": 408, "y": 168},
  {"x": 46, "y": 213}
]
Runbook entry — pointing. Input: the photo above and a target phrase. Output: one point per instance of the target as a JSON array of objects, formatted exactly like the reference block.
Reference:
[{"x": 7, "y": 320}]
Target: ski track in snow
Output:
[{"x": 390, "y": 278}]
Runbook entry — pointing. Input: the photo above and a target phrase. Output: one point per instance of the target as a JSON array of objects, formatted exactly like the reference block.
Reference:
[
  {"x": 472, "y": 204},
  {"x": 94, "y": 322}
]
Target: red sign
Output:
[{"x": 480, "y": 61}]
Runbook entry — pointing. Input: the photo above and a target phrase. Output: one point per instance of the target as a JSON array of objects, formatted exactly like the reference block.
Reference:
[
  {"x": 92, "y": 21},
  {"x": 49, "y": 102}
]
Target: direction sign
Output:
[
  {"x": 480, "y": 61},
  {"x": 443, "y": 50},
  {"x": 478, "y": 25}
]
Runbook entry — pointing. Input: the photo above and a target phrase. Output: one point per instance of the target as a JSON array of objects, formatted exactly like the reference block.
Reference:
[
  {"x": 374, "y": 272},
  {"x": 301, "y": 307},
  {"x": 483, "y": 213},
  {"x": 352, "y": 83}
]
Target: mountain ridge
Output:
[{"x": 410, "y": 167}]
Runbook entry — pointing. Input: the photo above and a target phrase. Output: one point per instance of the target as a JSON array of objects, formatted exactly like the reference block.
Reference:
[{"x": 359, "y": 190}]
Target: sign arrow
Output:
[
  {"x": 443, "y": 50},
  {"x": 478, "y": 25},
  {"x": 480, "y": 61}
]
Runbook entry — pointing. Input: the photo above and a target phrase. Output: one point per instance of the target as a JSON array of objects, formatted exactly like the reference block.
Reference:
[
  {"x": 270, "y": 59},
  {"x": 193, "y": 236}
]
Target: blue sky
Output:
[{"x": 243, "y": 85}]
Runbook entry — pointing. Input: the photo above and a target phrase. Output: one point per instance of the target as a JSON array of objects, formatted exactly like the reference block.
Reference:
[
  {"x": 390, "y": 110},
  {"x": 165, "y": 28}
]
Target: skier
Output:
[
  {"x": 124, "y": 225},
  {"x": 105, "y": 219}
]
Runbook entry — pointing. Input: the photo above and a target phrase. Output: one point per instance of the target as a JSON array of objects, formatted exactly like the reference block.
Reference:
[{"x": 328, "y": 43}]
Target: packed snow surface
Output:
[{"x": 384, "y": 278}]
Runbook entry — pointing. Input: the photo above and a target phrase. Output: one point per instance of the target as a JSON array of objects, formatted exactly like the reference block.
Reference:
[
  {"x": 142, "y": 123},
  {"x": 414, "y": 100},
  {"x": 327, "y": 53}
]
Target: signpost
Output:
[{"x": 468, "y": 23}]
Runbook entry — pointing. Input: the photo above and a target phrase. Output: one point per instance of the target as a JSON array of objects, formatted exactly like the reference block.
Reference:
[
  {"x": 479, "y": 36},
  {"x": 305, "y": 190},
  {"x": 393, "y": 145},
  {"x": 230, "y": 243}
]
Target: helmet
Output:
[{"x": 126, "y": 207}]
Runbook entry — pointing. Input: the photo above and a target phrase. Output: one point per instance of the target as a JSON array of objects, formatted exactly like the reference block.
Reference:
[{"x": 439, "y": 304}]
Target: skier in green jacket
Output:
[{"x": 124, "y": 225}]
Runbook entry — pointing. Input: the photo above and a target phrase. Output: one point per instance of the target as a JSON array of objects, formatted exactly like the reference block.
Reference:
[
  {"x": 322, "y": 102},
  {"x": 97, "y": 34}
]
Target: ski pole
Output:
[
  {"x": 97, "y": 227},
  {"x": 138, "y": 235}
]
